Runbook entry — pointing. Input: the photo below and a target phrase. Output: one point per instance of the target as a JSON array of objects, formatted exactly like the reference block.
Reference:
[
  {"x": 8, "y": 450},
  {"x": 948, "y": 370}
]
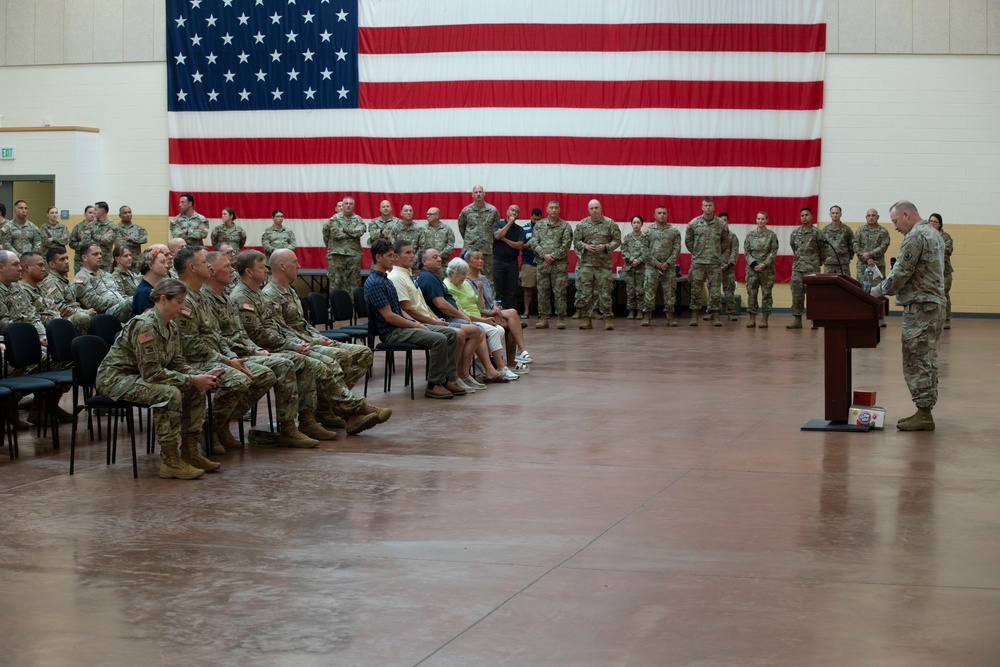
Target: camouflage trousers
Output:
[
  {"x": 332, "y": 393},
  {"x": 593, "y": 291},
  {"x": 835, "y": 268},
  {"x": 352, "y": 360},
  {"x": 922, "y": 323},
  {"x": 81, "y": 322},
  {"x": 122, "y": 310},
  {"x": 344, "y": 272},
  {"x": 553, "y": 281},
  {"x": 729, "y": 288},
  {"x": 764, "y": 281},
  {"x": 176, "y": 410},
  {"x": 665, "y": 280},
  {"x": 232, "y": 390},
  {"x": 285, "y": 384},
  {"x": 947, "y": 296},
  {"x": 635, "y": 286},
  {"x": 798, "y": 293},
  {"x": 697, "y": 276}
]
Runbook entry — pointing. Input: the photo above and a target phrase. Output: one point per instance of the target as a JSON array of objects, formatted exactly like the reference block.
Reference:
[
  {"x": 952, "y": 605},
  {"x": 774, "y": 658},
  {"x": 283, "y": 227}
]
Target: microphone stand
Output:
[{"x": 824, "y": 242}]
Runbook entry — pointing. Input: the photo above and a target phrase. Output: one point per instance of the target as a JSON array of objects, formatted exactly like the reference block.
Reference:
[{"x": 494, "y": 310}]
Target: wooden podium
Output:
[{"x": 850, "y": 318}]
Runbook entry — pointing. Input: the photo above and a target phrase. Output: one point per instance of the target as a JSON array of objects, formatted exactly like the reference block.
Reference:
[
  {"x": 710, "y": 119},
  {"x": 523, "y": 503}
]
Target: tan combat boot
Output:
[
  {"x": 608, "y": 324},
  {"x": 796, "y": 323},
  {"x": 309, "y": 427},
  {"x": 290, "y": 436},
  {"x": 330, "y": 420},
  {"x": 173, "y": 467},
  {"x": 631, "y": 315},
  {"x": 561, "y": 322},
  {"x": 715, "y": 319},
  {"x": 191, "y": 455},
  {"x": 543, "y": 322},
  {"x": 921, "y": 421},
  {"x": 694, "y": 317},
  {"x": 576, "y": 315},
  {"x": 585, "y": 323},
  {"x": 360, "y": 422},
  {"x": 671, "y": 320},
  {"x": 763, "y": 321},
  {"x": 753, "y": 321},
  {"x": 383, "y": 414},
  {"x": 225, "y": 439},
  {"x": 646, "y": 315}
]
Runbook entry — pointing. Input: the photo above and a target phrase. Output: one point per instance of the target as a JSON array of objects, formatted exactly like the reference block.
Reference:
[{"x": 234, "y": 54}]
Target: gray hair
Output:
[
  {"x": 467, "y": 252},
  {"x": 457, "y": 265}
]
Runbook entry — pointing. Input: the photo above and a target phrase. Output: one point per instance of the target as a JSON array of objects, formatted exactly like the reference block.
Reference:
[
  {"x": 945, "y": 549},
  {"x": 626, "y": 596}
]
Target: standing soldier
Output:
[
  {"x": 551, "y": 241},
  {"x": 663, "y": 246},
  {"x": 80, "y": 234},
  {"x": 475, "y": 224},
  {"x": 277, "y": 235},
  {"x": 634, "y": 256},
  {"x": 595, "y": 240},
  {"x": 54, "y": 233},
  {"x": 342, "y": 235},
  {"x": 949, "y": 247},
  {"x": 439, "y": 236},
  {"x": 706, "y": 239},
  {"x": 189, "y": 225},
  {"x": 95, "y": 288},
  {"x": 104, "y": 232},
  {"x": 760, "y": 248},
  {"x": 381, "y": 227},
  {"x": 405, "y": 229},
  {"x": 870, "y": 245},
  {"x": 20, "y": 235},
  {"x": 229, "y": 232},
  {"x": 839, "y": 239},
  {"x": 58, "y": 287},
  {"x": 146, "y": 365},
  {"x": 731, "y": 254},
  {"x": 807, "y": 258},
  {"x": 917, "y": 280},
  {"x": 130, "y": 234}
]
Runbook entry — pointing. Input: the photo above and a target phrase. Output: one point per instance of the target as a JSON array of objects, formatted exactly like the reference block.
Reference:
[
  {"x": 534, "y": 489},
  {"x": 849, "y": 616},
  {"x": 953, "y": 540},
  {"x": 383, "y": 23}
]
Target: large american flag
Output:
[{"x": 292, "y": 104}]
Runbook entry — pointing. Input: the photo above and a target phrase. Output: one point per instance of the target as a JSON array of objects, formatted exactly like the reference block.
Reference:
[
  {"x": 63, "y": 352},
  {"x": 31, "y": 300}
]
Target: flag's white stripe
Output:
[
  {"x": 407, "y": 13},
  {"x": 583, "y": 179},
  {"x": 613, "y": 123},
  {"x": 576, "y": 66}
]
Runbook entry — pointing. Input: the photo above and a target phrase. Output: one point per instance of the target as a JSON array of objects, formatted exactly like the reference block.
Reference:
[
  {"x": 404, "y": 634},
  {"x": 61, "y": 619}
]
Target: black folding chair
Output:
[
  {"x": 24, "y": 350},
  {"x": 319, "y": 315},
  {"x": 8, "y": 421},
  {"x": 107, "y": 327},
  {"x": 390, "y": 359},
  {"x": 342, "y": 310}
]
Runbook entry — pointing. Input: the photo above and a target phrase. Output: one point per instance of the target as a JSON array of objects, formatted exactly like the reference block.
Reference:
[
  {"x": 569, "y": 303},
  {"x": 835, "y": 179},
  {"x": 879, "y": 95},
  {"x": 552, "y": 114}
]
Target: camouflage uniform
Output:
[
  {"x": 807, "y": 258},
  {"x": 261, "y": 319},
  {"x": 53, "y": 235},
  {"x": 593, "y": 270},
  {"x": 16, "y": 306},
  {"x": 661, "y": 245},
  {"x": 552, "y": 239},
  {"x": 203, "y": 350},
  {"x": 342, "y": 237},
  {"x": 729, "y": 273},
  {"x": 77, "y": 236},
  {"x": 354, "y": 360},
  {"x": 20, "y": 238},
  {"x": 48, "y": 308},
  {"x": 100, "y": 292},
  {"x": 760, "y": 247},
  {"x": 133, "y": 237},
  {"x": 949, "y": 248},
  {"x": 192, "y": 228},
  {"x": 295, "y": 385},
  {"x": 707, "y": 241},
  {"x": 276, "y": 238},
  {"x": 442, "y": 239},
  {"x": 917, "y": 280},
  {"x": 840, "y": 239},
  {"x": 411, "y": 233},
  {"x": 126, "y": 280},
  {"x": 58, "y": 288},
  {"x": 104, "y": 234},
  {"x": 475, "y": 224},
  {"x": 379, "y": 228},
  {"x": 234, "y": 236},
  {"x": 146, "y": 365},
  {"x": 874, "y": 241},
  {"x": 634, "y": 247}
]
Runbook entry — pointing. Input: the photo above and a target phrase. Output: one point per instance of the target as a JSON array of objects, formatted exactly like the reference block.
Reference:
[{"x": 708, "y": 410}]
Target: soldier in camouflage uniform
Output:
[
  {"x": 261, "y": 320},
  {"x": 122, "y": 273},
  {"x": 277, "y": 235},
  {"x": 354, "y": 360},
  {"x": 146, "y": 365},
  {"x": 80, "y": 234},
  {"x": 807, "y": 258},
  {"x": 295, "y": 388},
  {"x": 475, "y": 224},
  {"x": 16, "y": 304},
  {"x": 595, "y": 240},
  {"x": 760, "y": 249},
  {"x": 20, "y": 235},
  {"x": 407, "y": 230},
  {"x": 53, "y": 233},
  {"x": 728, "y": 270},
  {"x": 59, "y": 289},
  {"x": 662, "y": 247},
  {"x": 917, "y": 280},
  {"x": 342, "y": 236},
  {"x": 229, "y": 232},
  {"x": 439, "y": 236},
  {"x": 840, "y": 244},
  {"x": 94, "y": 287},
  {"x": 33, "y": 282},
  {"x": 634, "y": 258},
  {"x": 707, "y": 239},
  {"x": 379, "y": 228},
  {"x": 130, "y": 234},
  {"x": 189, "y": 225},
  {"x": 104, "y": 232},
  {"x": 552, "y": 240},
  {"x": 949, "y": 247},
  {"x": 870, "y": 244}
]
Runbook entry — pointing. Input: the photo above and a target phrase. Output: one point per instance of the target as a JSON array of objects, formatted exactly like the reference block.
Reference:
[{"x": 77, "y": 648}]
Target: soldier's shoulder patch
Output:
[
  {"x": 908, "y": 256},
  {"x": 79, "y": 281},
  {"x": 145, "y": 337},
  {"x": 277, "y": 307},
  {"x": 51, "y": 289},
  {"x": 186, "y": 312},
  {"x": 247, "y": 306}
]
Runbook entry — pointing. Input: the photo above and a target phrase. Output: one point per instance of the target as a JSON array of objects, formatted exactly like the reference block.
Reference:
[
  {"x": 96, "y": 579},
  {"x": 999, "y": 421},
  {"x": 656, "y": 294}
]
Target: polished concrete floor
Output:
[{"x": 643, "y": 497}]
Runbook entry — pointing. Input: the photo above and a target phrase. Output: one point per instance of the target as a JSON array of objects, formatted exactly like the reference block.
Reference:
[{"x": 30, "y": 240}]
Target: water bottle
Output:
[{"x": 868, "y": 279}]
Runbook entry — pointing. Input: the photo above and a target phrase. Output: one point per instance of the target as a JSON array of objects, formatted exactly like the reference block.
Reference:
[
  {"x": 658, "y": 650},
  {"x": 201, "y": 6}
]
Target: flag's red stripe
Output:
[
  {"x": 770, "y": 153},
  {"x": 771, "y": 95},
  {"x": 741, "y": 209},
  {"x": 594, "y": 38}
]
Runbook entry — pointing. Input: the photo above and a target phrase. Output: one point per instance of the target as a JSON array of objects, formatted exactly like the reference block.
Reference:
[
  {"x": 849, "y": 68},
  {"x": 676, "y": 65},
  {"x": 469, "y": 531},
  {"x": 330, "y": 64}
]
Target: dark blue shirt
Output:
[
  {"x": 140, "y": 299},
  {"x": 379, "y": 293},
  {"x": 432, "y": 287},
  {"x": 500, "y": 249}
]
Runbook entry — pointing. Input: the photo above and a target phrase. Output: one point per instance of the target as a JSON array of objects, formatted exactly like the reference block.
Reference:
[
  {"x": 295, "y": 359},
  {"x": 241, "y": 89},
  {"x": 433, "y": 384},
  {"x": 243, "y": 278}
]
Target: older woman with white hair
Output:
[
  {"x": 468, "y": 302},
  {"x": 508, "y": 318}
]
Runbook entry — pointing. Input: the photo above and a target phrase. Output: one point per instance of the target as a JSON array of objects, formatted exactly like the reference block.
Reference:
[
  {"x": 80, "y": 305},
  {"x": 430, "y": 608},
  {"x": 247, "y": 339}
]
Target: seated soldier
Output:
[
  {"x": 33, "y": 275},
  {"x": 95, "y": 288},
  {"x": 57, "y": 286}
]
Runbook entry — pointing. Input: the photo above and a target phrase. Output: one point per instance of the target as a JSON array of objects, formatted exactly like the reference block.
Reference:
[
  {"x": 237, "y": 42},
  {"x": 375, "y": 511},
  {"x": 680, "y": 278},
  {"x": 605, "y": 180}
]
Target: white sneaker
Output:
[
  {"x": 472, "y": 382},
  {"x": 520, "y": 368},
  {"x": 509, "y": 374},
  {"x": 523, "y": 358},
  {"x": 469, "y": 389}
]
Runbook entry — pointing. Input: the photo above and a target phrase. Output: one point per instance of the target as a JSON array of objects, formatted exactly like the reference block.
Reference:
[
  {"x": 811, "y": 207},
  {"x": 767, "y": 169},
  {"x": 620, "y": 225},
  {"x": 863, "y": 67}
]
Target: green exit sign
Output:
[{"x": 7, "y": 153}]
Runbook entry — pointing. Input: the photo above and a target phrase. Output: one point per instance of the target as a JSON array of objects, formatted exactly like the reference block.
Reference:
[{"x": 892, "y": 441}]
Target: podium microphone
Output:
[{"x": 824, "y": 242}]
